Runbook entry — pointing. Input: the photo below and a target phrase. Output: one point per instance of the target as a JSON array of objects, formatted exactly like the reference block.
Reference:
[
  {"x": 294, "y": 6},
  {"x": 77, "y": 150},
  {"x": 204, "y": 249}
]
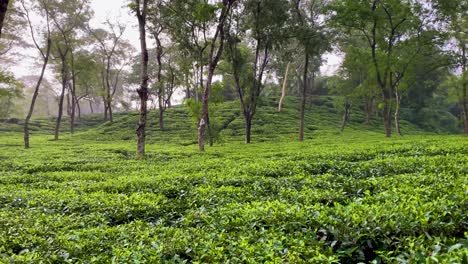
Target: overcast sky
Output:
[{"x": 117, "y": 10}]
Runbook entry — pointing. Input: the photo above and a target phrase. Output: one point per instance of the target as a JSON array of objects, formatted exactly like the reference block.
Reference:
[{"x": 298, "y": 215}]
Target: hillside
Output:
[{"x": 323, "y": 117}]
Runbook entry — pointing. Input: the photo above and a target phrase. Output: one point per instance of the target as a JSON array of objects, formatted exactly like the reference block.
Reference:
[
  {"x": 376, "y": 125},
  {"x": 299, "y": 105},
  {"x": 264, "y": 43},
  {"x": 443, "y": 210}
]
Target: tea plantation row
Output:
[{"x": 328, "y": 200}]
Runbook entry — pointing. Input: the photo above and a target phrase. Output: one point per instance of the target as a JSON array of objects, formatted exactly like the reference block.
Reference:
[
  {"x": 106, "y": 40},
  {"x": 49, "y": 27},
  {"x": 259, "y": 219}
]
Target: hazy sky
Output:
[{"x": 117, "y": 10}]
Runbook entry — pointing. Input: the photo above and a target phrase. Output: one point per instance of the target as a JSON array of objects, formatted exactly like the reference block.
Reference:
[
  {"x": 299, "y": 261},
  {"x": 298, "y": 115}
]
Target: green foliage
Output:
[
  {"x": 204, "y": 12},
  {"x": 194, "y": 108},
  {"x": 334, "y": 199},
  {"x": 10, "y": 90}
]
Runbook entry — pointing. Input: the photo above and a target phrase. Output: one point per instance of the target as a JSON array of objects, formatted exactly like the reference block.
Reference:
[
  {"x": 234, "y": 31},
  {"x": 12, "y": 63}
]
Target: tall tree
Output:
[
  {"x": 262, "y": 24},
  {"x": 68, "y": 17},
  {"x": 310, "y": 31},
  {"x": 355, "y": 80},
  {"x": 457, "y": 21},
  {"x": 157, "y": 28},
  {"x": 109, "y": 43},
  {"x": 198, "y": 27},
  {"x": 141, "y": 10},
  {"x": 88, "y": 81},
  {"x": 216, "y": 49},
  {"x": 385, "y": 25},
  {"x": 43, "y": 9}
]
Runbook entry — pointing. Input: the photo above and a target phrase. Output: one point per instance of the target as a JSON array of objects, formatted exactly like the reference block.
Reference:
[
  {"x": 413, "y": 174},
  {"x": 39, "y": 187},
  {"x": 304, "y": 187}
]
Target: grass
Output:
[{"x": 335, "y": 198}]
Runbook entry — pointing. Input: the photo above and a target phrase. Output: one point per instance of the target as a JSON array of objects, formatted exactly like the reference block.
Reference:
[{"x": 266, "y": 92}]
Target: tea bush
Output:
[
  {"x": 332, "y": 199},
  {"x": 336, "y": 198}
]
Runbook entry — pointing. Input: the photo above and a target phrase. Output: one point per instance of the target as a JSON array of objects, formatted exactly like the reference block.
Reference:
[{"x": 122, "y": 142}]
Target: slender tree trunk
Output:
[
  {"x": 104, "y": 92},
  {"x": 109, "y": 109},
  {"x": 397, "y": 112},
  {"x": 78, "y": 107},
  {"x": 144, "y": 78},
  {"x": 62, "y": 95},
  {"x": 73, "y": 102},
  {"x": 369, "y": 108},
  {"x": 386, "y": 115},
  {"x": 3, "y": 10},
  {"x": 68, "y": 102},
  {"x": 347, "y": 108},
  {"x": 159, "y": 54},
  {"x": 248, "y": 127},
  {"x": 283, "y": 90},
  {"x": 36, "y": 93},
  {"x": 108, "y": 90},
  {"x": 161, "y": 118},
  {"x": 205, "y": 112},
  {"x": 465, "y": 109},
  {"x": 73, "y": 92},
  {"x": 204, "y": 117},
  {"x": 91, "y": 106},
  {"x": 465, "y": 92},
  {"x": 303, "y": 98},
  {"x": 104, "y": 102}
]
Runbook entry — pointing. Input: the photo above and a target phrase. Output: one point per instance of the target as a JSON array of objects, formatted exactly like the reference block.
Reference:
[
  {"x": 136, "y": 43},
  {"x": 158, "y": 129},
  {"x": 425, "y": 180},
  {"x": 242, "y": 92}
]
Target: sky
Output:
[
  {"x": 104, "y": 9},
  {"x": 117, "y": 10}
]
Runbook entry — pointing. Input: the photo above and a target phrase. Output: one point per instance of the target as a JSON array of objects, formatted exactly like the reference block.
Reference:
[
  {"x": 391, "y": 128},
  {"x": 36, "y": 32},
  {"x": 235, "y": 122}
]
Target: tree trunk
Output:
[
  {"x": 108, "y": 90},
  {"x": 204, "y": 116},
  {"x": 68, "y": 102},
  {"x": 159, "y": 54},
  {"x": 369, "y": 108},
  {"x": 106, "y": 116},
  {"x": 465, "y": 92},
  {"x": 36, "y": 93},
  {"x": 78, "y": 107},
  {"x": 143, "y": 90},
  {"x": 91, "y": 106},
  {"x": 465, "y": 109},
  {"x": 248, "y": 127},
  {"x": 347, "y": 108},
  {"x": 161, "y": 118},
  {"x": 303, "y": 98},
  {"x": 62, "y": 95},
  {"x": 397, "y": 112},
  {"x": 109, "y": 109},
  {"x": 283, "y": 90},
  {"x": 386, "y": 115},
  {"x": 3, "y": 10},
  {"x": 104, "y": 92},
  {"x": 73, "y": 101}
]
